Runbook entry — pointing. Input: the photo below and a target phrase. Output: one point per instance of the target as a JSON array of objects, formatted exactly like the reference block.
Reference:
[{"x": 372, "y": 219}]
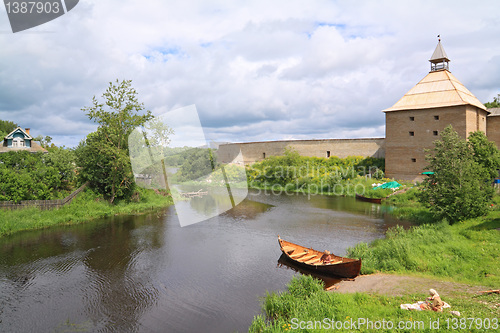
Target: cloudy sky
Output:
[{"x": 256, "y": 70}]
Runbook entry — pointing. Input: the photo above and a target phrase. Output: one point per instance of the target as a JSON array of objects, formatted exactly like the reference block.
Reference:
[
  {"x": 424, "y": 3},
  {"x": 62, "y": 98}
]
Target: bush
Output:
[
  {"x": 460, "y": 187},
  {"x": 30, "y": 176}
]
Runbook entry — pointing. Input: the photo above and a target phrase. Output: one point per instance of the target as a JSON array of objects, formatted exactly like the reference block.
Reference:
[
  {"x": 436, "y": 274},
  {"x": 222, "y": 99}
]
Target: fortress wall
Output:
[
  {"x": 256, "y": 151},
  {"x": 493, "y": 129}
]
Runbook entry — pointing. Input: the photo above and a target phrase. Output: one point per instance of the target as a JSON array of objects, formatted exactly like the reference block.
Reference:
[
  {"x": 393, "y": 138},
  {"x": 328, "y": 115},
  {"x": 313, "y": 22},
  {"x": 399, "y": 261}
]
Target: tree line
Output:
[{"x": 101, "y": 159}]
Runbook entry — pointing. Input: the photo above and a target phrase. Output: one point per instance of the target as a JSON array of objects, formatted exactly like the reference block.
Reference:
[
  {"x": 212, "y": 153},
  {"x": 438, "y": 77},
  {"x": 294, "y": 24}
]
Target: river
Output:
[{"x": 145, "y": 273}]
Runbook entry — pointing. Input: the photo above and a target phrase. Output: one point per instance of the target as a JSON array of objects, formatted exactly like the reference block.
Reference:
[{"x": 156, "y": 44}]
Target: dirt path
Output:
[{"x": 397, "y": 285}]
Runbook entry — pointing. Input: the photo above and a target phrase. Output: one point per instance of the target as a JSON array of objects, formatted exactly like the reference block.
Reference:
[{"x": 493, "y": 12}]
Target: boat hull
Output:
[
  {"x": 372, "y": 200},
  {"x": 341, "y": 266}
]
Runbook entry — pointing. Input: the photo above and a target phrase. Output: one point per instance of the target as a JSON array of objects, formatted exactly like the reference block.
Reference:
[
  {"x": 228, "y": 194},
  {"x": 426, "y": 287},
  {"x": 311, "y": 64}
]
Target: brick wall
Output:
[{"x": 410, "y": 132}]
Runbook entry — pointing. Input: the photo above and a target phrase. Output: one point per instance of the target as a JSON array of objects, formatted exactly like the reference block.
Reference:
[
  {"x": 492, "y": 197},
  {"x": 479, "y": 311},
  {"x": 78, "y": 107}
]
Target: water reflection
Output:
[{"x": 91, "y": 273}]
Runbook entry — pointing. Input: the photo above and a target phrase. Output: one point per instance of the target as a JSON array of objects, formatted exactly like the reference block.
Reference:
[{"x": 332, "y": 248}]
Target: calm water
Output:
[{"x": 147, "y": 274}]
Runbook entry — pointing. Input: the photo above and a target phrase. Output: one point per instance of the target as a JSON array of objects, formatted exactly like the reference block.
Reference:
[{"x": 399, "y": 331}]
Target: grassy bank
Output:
[
  {"x": 86, "y": 206},
  {"x": 306, "y": 304},
  {"x": 464, "y": 252}
]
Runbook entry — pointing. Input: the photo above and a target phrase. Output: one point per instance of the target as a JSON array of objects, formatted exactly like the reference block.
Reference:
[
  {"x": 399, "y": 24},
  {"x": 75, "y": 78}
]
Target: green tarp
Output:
[{"x": 388, "y": 185}]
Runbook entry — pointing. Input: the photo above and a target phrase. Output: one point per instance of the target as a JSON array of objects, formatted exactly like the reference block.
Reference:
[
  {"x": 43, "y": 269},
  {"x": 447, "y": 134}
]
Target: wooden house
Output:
[{"x": 20, "y": 139}]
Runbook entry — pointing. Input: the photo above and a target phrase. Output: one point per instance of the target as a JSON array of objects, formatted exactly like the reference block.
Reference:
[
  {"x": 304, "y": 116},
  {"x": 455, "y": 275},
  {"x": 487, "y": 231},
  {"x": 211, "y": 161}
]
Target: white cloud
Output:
[{"x": 256, "y": 71}]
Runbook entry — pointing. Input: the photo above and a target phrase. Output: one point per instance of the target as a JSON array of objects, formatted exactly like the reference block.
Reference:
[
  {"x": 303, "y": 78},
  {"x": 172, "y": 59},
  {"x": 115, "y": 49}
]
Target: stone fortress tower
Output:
[{"x": 415, "y": 121}]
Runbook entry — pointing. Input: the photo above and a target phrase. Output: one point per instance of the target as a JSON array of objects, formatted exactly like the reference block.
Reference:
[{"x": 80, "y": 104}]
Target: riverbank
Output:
[
  {"x": 85, "y": 207},
  {"x": 306, "y": 307}
]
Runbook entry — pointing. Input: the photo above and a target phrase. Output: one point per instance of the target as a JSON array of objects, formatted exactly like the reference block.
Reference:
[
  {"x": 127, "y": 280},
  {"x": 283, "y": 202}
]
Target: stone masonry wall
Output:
[
  {"x": 409, "y": 133},
  {"x": 256, "y": 151}
]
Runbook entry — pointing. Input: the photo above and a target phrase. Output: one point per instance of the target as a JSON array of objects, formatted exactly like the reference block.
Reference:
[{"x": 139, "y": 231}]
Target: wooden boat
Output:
[
  {"x": 309, "y": 259},
  {"x": 372, "y": 200}
]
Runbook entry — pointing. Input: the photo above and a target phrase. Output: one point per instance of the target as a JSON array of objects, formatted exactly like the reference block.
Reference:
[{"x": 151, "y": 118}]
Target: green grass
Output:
[
  {"x": 86, "y": 206},
  {"x": 305, "y": 301}
]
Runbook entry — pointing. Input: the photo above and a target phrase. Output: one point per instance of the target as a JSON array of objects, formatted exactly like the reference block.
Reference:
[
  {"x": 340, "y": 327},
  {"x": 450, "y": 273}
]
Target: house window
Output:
[
  {"x": 17, "y": 142},
  {"x": 412, "y": 133},
  {"x": 436, "y": 117},
  {"x": 327, "y": 153},
  {"x": 263, "y": 155},
  {"x": 414, "y": 160},
  {"x": 412, "y": 118},
  {"x": 435, "y": 133}
]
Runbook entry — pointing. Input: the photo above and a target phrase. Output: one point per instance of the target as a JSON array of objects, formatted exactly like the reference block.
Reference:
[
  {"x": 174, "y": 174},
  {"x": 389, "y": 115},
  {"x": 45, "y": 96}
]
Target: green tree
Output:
[
  {"x": 63, "y": 160},
  {"x": 198, "y": 163},
  {"x": 27, "y": 176},
  {"x": 485, "y": 152},
  {"x": 6, "y": 126},
  {"x": 460, "y": 187},
  {"x": 495, "y": 103},
  {"x": 44, "y": 142},
  {"x": 103, "y": 156}
]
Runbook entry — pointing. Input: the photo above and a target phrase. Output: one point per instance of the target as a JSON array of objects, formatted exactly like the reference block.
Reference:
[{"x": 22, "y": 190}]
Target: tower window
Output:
[
  {"x": 436, "y": 117},
  {"x": 412, "y": 118},
  {"x": 412, "y": 133},
  {"x": 327, "y": 153},
  {"x": 263, "y": 155},
  {"x": 414, "y": 160},
  {"x": 435, "y": 133}
]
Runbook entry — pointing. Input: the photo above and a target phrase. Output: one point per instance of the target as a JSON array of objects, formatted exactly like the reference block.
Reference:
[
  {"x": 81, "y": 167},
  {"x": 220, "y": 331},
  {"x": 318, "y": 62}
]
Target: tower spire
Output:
[{"x": 439, "y": 59}]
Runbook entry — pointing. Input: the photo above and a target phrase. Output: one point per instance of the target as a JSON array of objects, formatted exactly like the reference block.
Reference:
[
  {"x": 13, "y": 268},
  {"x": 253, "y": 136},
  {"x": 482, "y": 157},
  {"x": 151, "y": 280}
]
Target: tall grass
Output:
[
  {"x": 460, "y": 252},
  {"x": 305, "y": 301},
  {"x": 86, "y": 206}
]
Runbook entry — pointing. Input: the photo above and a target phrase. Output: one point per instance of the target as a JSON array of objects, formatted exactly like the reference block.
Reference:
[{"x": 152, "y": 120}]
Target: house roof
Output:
[
  {"x": 494, "y": 112},
  {"x": 437, "y": 89},
  {"x": 11, "y": 134},
  {"x": 35, "y": 148}
]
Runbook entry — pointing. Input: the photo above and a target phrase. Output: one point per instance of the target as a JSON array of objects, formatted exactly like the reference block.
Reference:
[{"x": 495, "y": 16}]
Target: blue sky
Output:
[{"x": 256, "y": 70}]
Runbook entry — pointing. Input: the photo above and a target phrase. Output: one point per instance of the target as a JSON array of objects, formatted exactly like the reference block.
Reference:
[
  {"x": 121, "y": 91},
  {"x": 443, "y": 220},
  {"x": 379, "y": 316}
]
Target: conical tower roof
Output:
[
  {"x": 439, "y": 54},
  {"x": 437, "y": 89}
]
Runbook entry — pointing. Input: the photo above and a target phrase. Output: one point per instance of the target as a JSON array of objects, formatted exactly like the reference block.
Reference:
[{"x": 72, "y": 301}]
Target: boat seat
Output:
[
  {"x": 313, "y": 261},
  {"x": 288, "y": 249},
  {"x": 295, "y": 255},
  {"x": 306, "y": 258}
]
